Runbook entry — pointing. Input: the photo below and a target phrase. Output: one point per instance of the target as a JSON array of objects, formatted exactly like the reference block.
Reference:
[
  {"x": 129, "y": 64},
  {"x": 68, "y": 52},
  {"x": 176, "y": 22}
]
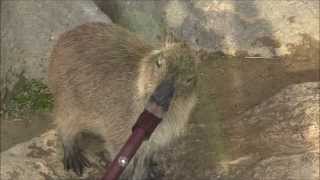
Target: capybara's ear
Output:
[{"x": 170, "y": 38}]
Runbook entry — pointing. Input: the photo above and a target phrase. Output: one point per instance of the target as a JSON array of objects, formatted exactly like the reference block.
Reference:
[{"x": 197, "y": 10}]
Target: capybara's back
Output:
[{"x": 101, "y": 76}]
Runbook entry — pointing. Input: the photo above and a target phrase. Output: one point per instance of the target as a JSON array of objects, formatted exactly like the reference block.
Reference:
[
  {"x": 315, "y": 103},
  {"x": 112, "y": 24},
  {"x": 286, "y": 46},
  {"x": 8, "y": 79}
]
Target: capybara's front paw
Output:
[{"x": 74, "y": 159}]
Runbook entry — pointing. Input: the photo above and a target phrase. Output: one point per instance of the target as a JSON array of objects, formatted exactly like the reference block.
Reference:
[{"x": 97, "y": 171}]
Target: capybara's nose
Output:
[{"x": 164, "y": 93}]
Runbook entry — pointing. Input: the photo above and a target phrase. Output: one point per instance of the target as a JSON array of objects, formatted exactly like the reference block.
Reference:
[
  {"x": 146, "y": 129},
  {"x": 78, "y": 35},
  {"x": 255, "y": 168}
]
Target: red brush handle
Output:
[
  {"x": 122, "y": 159},
  {"x": 143, "y": 128}
]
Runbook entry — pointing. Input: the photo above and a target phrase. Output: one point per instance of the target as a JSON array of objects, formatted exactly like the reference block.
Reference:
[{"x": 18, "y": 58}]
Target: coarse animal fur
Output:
[{"x": 101, "y": 77}]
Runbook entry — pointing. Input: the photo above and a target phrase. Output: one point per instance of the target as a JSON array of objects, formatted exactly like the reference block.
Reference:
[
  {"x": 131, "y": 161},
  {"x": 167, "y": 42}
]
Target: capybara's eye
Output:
[{"x": 159, "y": 62}]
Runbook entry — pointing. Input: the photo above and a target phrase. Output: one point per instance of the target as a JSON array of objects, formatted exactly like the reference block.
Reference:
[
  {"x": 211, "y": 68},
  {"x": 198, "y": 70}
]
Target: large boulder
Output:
[
  {"x": 29, "y": 30},
  {"x": 277, "y": 139}
]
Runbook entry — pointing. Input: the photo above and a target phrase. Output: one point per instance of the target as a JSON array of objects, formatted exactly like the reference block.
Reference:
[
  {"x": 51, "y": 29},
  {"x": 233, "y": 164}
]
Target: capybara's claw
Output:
[{"x": 74, "y": 159}]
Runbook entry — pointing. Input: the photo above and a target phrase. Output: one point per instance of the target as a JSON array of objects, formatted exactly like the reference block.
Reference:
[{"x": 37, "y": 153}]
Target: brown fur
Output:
[{"x": 101, "y": 77}]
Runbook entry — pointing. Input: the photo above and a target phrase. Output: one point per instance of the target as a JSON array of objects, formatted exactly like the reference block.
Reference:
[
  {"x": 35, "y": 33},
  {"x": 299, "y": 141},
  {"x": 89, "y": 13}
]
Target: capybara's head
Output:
[{"x": 179, "y": 62}]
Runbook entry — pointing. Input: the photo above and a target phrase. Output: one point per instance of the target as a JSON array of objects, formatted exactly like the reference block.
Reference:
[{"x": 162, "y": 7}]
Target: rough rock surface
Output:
[
  {"x": 29, "y": 30},
  {"x": 41, "y": 159},
  {"x": 278, "y": 139},
  {"x": 264, "y": 27}
]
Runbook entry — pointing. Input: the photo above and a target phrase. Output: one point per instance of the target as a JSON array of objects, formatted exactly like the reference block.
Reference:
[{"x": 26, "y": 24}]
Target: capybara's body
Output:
[{"x": 101, "y": 77}]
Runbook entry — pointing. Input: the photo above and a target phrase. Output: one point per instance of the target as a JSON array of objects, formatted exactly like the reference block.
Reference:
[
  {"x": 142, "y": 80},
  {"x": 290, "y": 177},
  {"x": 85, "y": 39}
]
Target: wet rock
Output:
[{"x": 30, "y": 28}]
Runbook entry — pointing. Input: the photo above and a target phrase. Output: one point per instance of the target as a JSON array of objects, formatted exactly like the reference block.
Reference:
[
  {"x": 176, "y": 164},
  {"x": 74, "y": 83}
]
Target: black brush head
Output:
[{"x": 163, "y": 93}]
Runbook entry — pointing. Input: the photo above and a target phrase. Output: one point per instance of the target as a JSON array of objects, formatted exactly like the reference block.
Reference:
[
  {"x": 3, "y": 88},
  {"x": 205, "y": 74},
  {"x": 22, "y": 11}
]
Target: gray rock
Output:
[
  {"x": 267, "y": 28},
  {"x": 29, "y": 30}
]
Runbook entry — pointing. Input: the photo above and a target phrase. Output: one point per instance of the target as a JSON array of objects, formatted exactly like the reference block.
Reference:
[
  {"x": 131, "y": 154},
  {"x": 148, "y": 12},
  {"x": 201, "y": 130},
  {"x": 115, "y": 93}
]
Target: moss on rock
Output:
[{"x": 28, "y": 96}]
